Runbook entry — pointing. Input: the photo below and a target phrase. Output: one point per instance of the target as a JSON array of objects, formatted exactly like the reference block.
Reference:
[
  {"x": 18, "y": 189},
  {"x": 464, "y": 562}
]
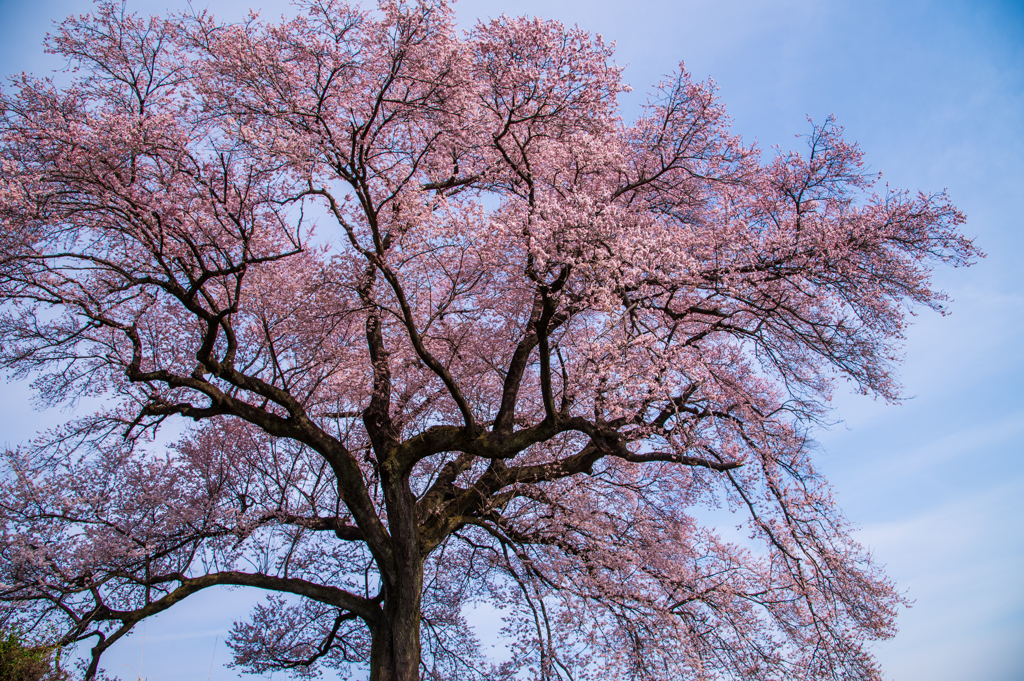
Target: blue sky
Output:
[{"x": 934, "y": 94}]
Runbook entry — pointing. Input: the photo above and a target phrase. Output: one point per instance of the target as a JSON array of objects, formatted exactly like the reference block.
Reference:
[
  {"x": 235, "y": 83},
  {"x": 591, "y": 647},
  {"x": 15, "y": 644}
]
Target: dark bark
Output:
[{"x": 395, "y": 643}]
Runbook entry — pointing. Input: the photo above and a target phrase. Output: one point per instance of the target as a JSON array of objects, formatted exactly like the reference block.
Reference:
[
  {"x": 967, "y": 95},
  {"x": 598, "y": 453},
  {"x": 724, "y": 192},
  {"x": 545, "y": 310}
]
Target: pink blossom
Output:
[{"x": 528, "y": 342}]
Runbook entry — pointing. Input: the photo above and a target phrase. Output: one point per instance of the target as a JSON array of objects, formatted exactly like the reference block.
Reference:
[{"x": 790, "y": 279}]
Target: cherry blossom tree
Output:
[{"x": 388, "y": 322}]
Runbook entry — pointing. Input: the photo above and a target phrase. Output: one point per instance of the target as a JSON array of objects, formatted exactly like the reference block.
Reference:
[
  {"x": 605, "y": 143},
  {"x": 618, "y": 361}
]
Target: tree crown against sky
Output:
[{"x": 526, "y": 342}]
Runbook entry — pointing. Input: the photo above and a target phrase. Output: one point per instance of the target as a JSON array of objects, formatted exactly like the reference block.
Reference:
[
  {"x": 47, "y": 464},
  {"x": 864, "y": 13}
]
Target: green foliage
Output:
[{"x": 22, "y": 662}]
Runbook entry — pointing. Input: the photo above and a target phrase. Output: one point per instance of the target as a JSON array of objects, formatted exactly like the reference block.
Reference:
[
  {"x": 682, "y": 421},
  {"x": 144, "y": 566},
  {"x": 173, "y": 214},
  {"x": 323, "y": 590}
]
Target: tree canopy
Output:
[{"x": 388, "y": 322}]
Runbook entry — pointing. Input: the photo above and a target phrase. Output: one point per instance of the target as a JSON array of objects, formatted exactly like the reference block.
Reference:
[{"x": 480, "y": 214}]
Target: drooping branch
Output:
[{"x": 349, "y": 605}]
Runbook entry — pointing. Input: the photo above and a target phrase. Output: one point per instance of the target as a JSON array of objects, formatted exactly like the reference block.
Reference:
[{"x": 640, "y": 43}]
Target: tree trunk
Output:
[
  {"x": 395, "y": 642},
  {"x": 395, "y": 645}
]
